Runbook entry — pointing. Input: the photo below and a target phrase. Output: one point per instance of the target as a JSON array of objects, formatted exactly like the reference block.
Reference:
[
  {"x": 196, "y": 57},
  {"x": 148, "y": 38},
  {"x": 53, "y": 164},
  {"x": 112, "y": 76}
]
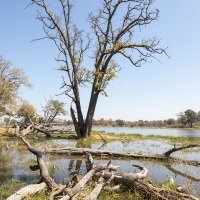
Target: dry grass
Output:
[{"x": 3, "y": 130}]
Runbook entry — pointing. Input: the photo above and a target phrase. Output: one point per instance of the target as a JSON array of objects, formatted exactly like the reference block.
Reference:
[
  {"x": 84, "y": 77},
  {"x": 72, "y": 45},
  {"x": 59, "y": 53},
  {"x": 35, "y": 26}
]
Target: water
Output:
[
  {"x": 150, "y": 131},
  {"x": 14, "y": 161}
]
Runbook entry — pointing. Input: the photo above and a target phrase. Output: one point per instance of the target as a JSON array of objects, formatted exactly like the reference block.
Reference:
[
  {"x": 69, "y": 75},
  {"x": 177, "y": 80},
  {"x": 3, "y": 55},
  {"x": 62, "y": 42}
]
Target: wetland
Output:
[{"x": 15, "y": 159}]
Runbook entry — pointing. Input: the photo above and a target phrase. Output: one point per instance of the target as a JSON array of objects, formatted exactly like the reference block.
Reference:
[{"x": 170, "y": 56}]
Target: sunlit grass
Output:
[{"x": 9, "y": 188}]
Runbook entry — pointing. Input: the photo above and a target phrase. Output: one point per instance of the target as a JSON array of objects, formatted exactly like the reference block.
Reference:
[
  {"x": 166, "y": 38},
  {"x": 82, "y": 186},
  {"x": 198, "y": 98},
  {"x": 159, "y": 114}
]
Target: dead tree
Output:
[
  {"x": 168, "y": 153},
  {"x": 113, "y": 33}
]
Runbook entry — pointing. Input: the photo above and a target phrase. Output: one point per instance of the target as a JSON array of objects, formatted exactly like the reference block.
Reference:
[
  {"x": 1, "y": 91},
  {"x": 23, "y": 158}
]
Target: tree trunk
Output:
[
  {"x": 76, "y": 124},
  {"x": 90, "y": 113},
  {"x": 83, "y": 129}
]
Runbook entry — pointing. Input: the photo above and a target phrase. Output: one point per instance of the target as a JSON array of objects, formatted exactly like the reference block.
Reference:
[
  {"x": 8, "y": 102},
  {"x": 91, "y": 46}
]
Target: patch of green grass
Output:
[
  {"x": 111, "y": 133},
  {"x": 94, "y": 132},
  {"x": 9, "y": 188},
  {"x": 169, "y": 186},
  {"x": 30, "y": 161},
  {"x": 43, "y": 195}
]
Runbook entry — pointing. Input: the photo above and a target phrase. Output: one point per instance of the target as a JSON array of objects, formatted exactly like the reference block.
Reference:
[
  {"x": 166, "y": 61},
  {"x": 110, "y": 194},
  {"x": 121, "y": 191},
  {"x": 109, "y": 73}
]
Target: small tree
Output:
[
  {"x": 113, "y": 31},
  {"x": 52, "y": 109},
  {"x": 182, "y": 119},
  {"x": 192, "y": 117},
  {"x": 27, "y": 112},
  {"x": 120, "y": 122},
  {"x": 188, "y": 118},
  {"x": 10, "y": 81}
]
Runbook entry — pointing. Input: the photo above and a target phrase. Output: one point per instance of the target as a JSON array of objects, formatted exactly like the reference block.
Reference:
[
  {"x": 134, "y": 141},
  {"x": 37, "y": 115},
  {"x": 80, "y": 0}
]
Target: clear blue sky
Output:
[{"x": 154, "y": 91}]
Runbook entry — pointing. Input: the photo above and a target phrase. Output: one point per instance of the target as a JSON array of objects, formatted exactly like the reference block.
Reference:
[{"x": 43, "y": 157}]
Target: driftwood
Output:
[
  {"x": 102, "y": 138},
  {"x": 168, "y": 153},
  {"x": 147, "y": 189},
  {"x": 42, "y": 166},
  {"x": 113, "y": 154},
  {"x": 132, "y": 180},
  {"x": 28, "y": 190},
  {"x": 23, "y": 129}
]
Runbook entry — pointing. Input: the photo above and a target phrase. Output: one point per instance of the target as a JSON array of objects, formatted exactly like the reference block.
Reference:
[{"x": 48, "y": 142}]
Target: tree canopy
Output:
[
  {"x": 11, "y": 79},
  {"x": 188, "y": 118},
  {"x": 51, "y": 110},
  {"x": 26, "y": 111},
  {"x": 113, "y": 32}
]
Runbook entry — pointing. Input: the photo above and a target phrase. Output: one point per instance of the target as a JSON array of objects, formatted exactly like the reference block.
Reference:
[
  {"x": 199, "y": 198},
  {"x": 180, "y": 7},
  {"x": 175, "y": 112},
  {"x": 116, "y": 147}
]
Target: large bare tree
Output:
[{"x": 116, "y": 28}]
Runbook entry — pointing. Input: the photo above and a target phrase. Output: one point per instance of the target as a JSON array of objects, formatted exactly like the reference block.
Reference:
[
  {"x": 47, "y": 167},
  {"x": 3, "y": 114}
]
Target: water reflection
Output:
[{"x": 14, "y": 162}]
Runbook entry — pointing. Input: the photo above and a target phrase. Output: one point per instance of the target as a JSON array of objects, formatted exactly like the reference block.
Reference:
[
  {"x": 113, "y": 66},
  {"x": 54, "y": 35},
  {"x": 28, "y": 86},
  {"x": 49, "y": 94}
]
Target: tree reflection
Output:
[
  {"x": 75, "y": 164},
  {"x": 177, "y": 172},
  {"x": 6, "y": 171}
]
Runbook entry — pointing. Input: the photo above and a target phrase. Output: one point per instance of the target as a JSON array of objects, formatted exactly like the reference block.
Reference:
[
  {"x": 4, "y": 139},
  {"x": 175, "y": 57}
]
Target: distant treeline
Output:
[{"x": 186, "y": 119}]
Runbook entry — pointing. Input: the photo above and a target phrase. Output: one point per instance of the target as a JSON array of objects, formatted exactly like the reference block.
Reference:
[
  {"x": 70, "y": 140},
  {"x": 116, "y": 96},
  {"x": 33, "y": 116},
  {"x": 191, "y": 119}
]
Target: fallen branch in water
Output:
[
  {"x": 106, "y": 173},
  {"x": 113, "y": 154},
  {"x": 168, "y": 153}
]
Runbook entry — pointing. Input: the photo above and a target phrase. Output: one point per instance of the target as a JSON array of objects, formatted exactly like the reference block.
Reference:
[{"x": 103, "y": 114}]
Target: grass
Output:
[
  {"x": 12, "y": 185},
  {"x": 43, "y": 195},
  {"x": 112, "y": 137},
  {"x": 9, "y": 188}
]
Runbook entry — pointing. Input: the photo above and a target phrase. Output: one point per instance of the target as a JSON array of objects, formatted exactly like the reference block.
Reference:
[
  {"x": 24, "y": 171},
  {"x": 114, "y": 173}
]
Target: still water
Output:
[
  {"x": 150, "y": 131},
  {"x": 15, "y": 161}
]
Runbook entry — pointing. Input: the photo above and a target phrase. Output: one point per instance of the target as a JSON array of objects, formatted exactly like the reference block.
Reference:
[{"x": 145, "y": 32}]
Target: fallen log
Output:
[
  {"x": 132, "y": 180},
  {"x": 168, "y": 153},
  {"x": 100, "y": 185},
  {"x": 81, "y": 184},
  {"x": 113, "y": 154},
  {"x": 28, "y": 190},
  {"x": 42, "y": 166}
]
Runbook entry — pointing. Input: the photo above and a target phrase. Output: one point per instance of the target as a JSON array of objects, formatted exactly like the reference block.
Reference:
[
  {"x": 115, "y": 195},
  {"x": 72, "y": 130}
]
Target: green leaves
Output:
[{"x": 10, "y": 81}]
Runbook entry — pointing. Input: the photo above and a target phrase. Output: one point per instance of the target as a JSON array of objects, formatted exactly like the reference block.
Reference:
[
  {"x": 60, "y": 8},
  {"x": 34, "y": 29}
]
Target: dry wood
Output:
[
  {"x": 113, "y": 154},
  {"x": 43, "y": 168},
  {"x": 100, "y": 185},
  {"x": 57, "y": 190},
  {"x": 28, "y": 190},
  {"x": 102, "y": 138},
  {"x": 168, "y": 153},
  {"x": 115, "y": 188},
  {"x": 81, "y": 184},
  {"x": 131, "y": 180},
  {"x": 46, "y": 132}
]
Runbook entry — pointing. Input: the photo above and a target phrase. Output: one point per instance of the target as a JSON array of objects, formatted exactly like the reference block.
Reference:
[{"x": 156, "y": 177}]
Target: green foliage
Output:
[
  {"x": 120, "y": 122},
  {"x": 111, "y": 36},
  {"x": 11, "y": 80},
  {"x": 188, "y": 118},
  {"x": 52, "y": 109},
  {"x": 43, "y": 195},
  {"x": 27, "y": 111}
]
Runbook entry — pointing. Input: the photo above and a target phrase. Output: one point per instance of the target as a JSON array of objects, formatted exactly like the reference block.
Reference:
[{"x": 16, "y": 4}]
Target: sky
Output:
[{"x": 155, "y": 91}]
